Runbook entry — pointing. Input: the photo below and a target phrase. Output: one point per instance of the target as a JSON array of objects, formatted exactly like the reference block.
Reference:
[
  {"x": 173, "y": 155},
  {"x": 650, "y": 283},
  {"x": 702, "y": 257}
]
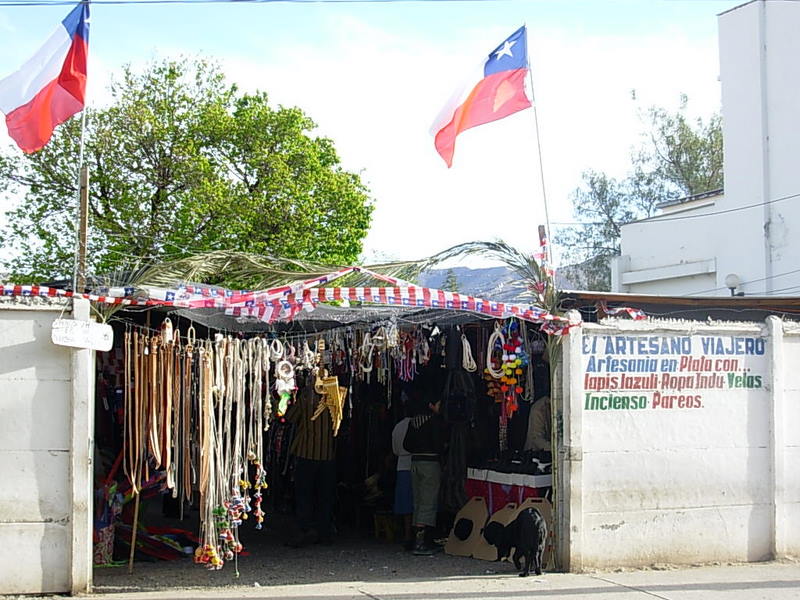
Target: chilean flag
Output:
[
  {"x": 498, "y": 93},
  {"x": 51, "y": 87}
]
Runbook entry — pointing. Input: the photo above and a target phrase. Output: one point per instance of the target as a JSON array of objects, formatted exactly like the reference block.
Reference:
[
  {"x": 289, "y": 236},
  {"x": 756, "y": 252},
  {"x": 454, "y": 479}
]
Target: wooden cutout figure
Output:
[{"x": 465, "y": 537}]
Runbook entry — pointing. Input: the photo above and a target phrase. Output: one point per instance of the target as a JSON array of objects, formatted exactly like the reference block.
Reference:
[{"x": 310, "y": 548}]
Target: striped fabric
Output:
[
  {"x": 313, "y": 440},
  {"x": 288, "y": 305}
]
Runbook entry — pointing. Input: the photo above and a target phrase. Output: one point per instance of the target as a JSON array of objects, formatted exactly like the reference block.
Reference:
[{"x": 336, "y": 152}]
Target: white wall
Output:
[
  {"x": 45, "y": 535},
  {"x": 705, "y": 477},
  {"x": 758, "y": 241},
  {"x": 790, "y": 541},
  {"x": 760, "y": 94}
]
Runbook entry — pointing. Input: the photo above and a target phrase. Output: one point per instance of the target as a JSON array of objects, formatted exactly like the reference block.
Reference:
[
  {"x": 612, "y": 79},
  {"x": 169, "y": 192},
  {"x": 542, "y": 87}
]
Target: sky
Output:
[{"x": 374, "y": 75}]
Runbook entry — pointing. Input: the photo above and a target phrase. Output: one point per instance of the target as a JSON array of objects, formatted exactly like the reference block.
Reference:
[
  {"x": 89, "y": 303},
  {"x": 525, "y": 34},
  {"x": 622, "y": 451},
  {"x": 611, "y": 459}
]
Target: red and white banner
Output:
[{"x": 285, "y": 302}]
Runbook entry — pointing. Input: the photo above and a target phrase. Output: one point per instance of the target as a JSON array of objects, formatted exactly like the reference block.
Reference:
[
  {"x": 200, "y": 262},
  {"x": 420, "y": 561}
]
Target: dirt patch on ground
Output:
[{"x": 352, "y": 557}]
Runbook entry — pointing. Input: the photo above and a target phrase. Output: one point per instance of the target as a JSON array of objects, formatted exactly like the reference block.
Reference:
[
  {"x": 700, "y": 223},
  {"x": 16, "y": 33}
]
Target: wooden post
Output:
[
  {"x": 133, "y": 531},
  {"x": 83, "y": 227}
]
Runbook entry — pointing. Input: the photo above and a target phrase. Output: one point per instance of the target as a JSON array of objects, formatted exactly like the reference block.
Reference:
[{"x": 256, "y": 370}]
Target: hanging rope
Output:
[
  {"x": 276, "y": 350},
  {"x": 495, "y": 339},
  {"x": 466, "y": 357},
  {"x": 365, "y": 354}
]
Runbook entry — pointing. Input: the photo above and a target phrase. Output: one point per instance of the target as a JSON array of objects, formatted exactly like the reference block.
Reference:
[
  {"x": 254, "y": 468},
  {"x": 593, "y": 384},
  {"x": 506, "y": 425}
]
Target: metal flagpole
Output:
[
  {"x": 549, "y": 256},
  {"x": 547, "y": 259},
  {"x": 82, "y": 216}
]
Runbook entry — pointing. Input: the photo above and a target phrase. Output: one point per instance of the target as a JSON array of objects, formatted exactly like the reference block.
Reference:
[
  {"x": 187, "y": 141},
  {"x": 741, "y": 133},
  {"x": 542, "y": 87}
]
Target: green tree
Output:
[
  {"x": 678, "y": 157},
  {"x": 450, "y": 283},
  {"x": 181, "y": 162}
]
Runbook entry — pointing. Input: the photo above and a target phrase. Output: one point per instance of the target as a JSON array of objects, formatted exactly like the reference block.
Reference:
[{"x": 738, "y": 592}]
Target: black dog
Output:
[{"x": 527, "y": 534}]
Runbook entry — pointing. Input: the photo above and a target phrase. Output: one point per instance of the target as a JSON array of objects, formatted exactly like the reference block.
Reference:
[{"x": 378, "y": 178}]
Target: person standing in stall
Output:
[
  {"x": 403, "y": 494},
  {"x": 314, "y": 449},
  {"x": 540, "y": 419},
  {"x": 425, "y": 441},
  {"x": 539, "y": 426}
]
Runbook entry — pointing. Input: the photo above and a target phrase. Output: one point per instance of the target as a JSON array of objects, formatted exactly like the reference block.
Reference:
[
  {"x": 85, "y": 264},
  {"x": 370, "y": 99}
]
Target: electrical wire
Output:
[
  {"x": 716, "y": 289},
  {"x": 660, "y": 219},
  {"x": 720, "y": 212},
  {"x": 786, "y": 289}
]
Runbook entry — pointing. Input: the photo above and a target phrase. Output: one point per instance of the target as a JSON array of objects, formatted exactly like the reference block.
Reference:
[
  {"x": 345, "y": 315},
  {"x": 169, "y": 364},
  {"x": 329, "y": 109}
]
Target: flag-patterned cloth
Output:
[
  {"x": 496, "y": 91},
  {"x": 50, "y": 87}
]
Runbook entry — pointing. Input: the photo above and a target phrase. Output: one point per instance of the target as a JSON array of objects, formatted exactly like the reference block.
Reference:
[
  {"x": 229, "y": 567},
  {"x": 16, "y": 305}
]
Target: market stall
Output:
[{"x": 195, "y": 401}]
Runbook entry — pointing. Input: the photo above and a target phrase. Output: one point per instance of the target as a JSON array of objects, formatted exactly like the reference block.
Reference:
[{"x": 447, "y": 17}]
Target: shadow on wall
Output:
[
  {"x": 758, "y": 464},
  {"x": 34, "y": 454}
]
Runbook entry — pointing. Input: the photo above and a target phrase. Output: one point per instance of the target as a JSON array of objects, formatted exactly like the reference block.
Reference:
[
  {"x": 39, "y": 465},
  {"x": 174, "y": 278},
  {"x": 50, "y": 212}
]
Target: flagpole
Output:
[
  {"x": 547, "y": 260},
  {"x": 81, "y": 216},
  {"x": 539, "y": 151},
  {"x": 82, "y": 213}
]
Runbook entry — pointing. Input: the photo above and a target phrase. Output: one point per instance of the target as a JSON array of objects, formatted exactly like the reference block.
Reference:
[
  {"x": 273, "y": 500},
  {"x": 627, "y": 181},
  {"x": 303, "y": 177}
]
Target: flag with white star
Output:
[{"x": 496, "y": 92}]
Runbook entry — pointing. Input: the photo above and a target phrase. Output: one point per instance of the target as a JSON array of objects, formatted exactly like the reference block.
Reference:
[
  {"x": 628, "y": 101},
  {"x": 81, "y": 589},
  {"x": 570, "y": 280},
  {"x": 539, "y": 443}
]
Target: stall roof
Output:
[
  {"x": 723, "y": 308},
  {"x": 325, "y": 317}
]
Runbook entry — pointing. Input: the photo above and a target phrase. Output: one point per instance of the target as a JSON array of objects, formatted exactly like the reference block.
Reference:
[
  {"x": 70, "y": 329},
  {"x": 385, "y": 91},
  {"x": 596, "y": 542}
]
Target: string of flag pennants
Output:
[
  {"x": 285, "y": 302},
  {"x": 634, "y": 313},
  {"x": 409, "y": 296},
  {"x": 270, "y": 307}
]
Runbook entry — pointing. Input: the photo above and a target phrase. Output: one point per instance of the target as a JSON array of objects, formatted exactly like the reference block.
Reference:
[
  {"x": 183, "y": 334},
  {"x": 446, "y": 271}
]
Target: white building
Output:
[{"x": 693, "y": 245}]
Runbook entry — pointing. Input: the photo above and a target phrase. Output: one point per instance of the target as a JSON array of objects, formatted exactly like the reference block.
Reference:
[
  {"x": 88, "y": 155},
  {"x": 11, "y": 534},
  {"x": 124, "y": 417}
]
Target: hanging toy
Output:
[
  {"x": 515, "y": 359},
  {"x": 258, "y": 513},
  {"x": 260, "y": 484},
  {"x": 207, "y": 555},
  {"x": 284, "y": 385}
]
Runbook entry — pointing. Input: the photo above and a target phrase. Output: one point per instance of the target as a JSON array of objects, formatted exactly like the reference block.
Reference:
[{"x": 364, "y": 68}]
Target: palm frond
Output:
[
  {"x": 242, "y": 270},
  {"x": 231, "y": 269},
  {"x": 538, "y": 284}
]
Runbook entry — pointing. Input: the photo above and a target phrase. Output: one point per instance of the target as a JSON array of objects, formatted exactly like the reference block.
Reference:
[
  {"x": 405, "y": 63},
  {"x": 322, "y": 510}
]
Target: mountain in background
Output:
[{"x": 490, "y": 283}]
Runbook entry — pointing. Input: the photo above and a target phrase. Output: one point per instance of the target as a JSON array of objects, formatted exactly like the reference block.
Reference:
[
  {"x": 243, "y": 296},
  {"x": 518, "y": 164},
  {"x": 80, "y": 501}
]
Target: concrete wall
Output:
[
  {"x": 668, "y": 256},
  {"x": 788, "y": 542},
  {"x": 45, "y": 438},
  {"x": 679, "y": 443},
  {"x": 753, "y": 233}
]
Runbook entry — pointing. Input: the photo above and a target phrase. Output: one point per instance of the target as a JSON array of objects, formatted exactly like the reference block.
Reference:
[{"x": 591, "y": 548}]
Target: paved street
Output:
[{"x": 768, "y": 581}]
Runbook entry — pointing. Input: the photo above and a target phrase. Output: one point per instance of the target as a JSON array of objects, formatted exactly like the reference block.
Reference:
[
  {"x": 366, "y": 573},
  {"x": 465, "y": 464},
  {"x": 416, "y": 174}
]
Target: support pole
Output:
[{"x": 133, "y": 532}]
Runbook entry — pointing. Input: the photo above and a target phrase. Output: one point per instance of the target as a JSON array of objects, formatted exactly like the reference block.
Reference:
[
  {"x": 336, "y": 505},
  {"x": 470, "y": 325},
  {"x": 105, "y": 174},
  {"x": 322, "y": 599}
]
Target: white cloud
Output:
[{"x": 376, "y": 94}]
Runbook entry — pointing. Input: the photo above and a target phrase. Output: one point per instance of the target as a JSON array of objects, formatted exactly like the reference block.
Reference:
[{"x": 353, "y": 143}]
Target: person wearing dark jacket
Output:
[{"x": 425, "y": 441}]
